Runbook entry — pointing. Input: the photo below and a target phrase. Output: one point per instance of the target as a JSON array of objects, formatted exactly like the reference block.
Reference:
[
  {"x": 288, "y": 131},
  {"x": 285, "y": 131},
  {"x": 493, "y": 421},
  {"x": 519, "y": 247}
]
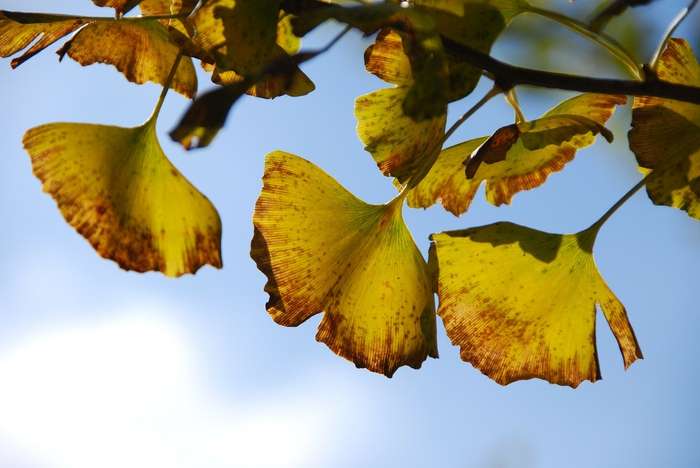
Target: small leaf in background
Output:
[
  {"x": 402, "y": 147},
  {"x": 169, "y": 7},
  {"x": 16, "y": 36},
  {"x": 115, "y": 186},
  {"x": 521, "y": 303},
  {"x": 665, "y": 135},
  {"x": 517, "y": 157},
  {"x": 142, "y": 51},
  {"x": 324, "y": 250}
]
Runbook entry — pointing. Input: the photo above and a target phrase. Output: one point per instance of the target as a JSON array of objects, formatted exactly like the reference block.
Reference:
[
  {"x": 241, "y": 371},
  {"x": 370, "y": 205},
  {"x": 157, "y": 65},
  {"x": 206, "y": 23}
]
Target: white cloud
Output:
[{"x": 127, "y": 393}]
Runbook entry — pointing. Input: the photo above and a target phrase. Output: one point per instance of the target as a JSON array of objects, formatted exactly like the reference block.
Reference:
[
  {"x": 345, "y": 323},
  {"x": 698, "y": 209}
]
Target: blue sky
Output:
[{"x": 100, "y": 367}]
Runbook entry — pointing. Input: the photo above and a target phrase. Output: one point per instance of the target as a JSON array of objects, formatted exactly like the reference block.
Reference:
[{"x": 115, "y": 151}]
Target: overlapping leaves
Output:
[{"x": 665, "y": 135}]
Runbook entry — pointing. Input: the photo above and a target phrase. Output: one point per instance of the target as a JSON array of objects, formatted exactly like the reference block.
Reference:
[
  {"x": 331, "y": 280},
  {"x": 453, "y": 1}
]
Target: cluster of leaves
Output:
[{"x": 118, "y": 189}]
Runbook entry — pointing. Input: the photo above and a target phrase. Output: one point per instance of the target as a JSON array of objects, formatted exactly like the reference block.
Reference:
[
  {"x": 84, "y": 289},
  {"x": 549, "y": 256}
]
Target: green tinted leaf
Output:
[
  {"x": 324, "y": 250},
  {"x": 521, "y": 303}
]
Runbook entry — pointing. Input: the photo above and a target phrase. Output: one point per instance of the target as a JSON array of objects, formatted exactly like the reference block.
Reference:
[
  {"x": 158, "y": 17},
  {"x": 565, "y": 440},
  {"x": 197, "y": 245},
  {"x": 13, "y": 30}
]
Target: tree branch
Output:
[{"x": 507, "y": 76}]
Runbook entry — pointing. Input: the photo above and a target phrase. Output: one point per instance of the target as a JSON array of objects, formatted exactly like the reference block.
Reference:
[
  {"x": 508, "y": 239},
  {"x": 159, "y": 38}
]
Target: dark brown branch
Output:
[{"x": 507, "y": 76}]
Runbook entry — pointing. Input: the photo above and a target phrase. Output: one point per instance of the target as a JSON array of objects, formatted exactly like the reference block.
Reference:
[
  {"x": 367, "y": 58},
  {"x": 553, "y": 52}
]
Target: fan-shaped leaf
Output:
[
  {"x": 115, "y": 186},
  {"x": 401, "y": 146},
  {"x": 40, "y": 33},
  {"x": 517, "y": 157},
  {"x": 521, "y": 303},
  {"x": 142, "y": 51},
  {"x": 322, "y": 249},
  {"x": 665, "y": 134}
]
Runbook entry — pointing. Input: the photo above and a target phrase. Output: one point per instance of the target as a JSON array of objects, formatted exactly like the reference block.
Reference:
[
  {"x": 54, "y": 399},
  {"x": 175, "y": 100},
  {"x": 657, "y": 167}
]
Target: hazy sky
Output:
[{"x": 104, "y": 368}]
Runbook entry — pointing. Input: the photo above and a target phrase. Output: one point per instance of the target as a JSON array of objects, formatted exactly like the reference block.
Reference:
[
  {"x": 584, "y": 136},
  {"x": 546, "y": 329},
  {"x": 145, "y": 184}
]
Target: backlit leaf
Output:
[
  {"x": 401, "y": 146},
  {"x": 446, "y": 181},
  {"x": 521, "y": 303},
  {"x": 16, "y": 36},
  {"x": 324, "y": 250},
  {"x": 141, "y": 50},
  {"x": 117, "y": 188},
  {"x": 517, "y": 157},
  {"x": 665, "y": 134}
]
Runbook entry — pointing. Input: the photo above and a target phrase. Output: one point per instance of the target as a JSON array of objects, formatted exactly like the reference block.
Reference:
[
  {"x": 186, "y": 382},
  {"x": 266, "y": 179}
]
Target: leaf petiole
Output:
[
  {"x": 595, "y": 227},
  {"x": 669, "y": 32},
  {"x": 601, "y": 39},
  {"x": 164, "y": 91}
]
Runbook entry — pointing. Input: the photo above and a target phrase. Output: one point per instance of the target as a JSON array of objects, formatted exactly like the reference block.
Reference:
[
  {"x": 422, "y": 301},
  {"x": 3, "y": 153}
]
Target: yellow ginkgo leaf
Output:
[
  {"x": 665, "y": 134},
  {"x": 516, "y": 157},
  {"x": 324, "y": 250},
  {"x": 241, "y": 33},
  {"x": 170, "y": 7},
  {"x": 521, "y": 303},
  {"x": 117, "y": 188},
  {"x": 401, "y": 147},
  {"x": 446, "y": 181},
  {"x": 292, "y": 83},
  {"x": 16, "y": 36},
  {"x": 141, "y": 50}
]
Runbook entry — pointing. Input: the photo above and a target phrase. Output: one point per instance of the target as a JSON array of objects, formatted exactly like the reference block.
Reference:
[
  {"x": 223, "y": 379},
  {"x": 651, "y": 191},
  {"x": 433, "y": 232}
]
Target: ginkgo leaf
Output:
[
  {"x": 216, "y": 23},
  {"x": 517, "y": 157},
  {"x": 665, "y": 135},
  {"x": 324, "y": 250},
  {"x": 117, "y": 188},
  {"x": 170, "y": 7},
  {"x": 141, "y": 50},
  {"x": 401, "y": 147},
  {"x": 294, "y": 83},
  {"x": 242, "y": 33},
  {"x": 16, "y": 36},
  {"x": 446, "y": 181},
  {"x": 521, "y": 303}
]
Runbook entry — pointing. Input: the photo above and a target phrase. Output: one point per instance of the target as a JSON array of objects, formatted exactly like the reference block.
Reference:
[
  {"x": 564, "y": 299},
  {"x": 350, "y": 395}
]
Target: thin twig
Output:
[{"x": 508, "y": 76}]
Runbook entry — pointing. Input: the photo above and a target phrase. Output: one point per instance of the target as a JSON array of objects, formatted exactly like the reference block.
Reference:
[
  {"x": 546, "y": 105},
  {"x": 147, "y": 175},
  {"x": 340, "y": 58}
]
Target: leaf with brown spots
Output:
[
  {"x": 665, "y": 135},
  {"x": 517, "y": 157},
  {"x": 401, "y": 146},
  {"x": 20, "y": 30},
  {"x": 446, "y": 182},
  {"x": 521, "y": 303},
  {"x": 239, "y": 58},
  {"x": 117, "y": 188},
  {"x": 324, "y": 250},
  {"x": 141, "y": 50}
]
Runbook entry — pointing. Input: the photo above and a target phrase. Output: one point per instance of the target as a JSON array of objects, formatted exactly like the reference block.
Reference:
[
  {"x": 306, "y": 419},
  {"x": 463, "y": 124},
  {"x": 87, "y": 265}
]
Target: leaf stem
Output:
[
  {"x": 30, "y": 18},
  {"x": 166, "y": 87},
  {"x": 669, "y": 32},
  {"x": 494, "y": 91},
  {"x": 611, "y": 211},
  {"x": 619, "y": 52},
  {"x": 512, "y": 99}
]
